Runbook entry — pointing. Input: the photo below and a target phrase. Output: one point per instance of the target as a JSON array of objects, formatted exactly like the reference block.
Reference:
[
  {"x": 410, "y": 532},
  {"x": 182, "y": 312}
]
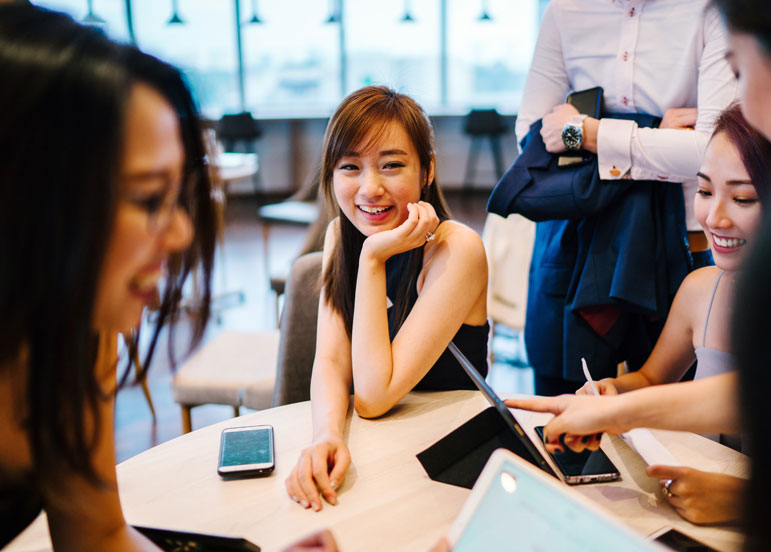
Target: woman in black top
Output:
[{"x": 400, "y": 280}]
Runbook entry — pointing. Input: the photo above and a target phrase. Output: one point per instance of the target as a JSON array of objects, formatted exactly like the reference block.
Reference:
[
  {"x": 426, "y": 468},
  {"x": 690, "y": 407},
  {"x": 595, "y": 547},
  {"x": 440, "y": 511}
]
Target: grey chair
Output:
[{"x": 297, "y": 342}]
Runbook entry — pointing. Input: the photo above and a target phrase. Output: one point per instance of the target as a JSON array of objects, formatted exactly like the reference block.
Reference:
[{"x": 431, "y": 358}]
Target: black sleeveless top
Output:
[
  {"x": 20, "y": 504},
  {"x": 446, "y": 374}
]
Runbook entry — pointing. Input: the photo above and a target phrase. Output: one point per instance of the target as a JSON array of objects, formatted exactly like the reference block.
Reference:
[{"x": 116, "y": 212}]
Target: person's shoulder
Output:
[
  {"x": 455, "y": 233},
  {"x": 699, "y": 283},
  {"x": 457, "y": 239}
]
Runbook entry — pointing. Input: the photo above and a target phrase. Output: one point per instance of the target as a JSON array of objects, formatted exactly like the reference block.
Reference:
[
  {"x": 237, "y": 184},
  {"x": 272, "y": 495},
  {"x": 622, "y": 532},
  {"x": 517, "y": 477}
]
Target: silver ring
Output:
[
  {"x": 429, "y": 236},
  {"x": 665, "y": 489}
]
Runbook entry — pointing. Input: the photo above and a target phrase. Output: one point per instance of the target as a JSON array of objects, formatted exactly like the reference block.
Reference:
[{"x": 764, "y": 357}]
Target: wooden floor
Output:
[{"x": 240, "y": 268}]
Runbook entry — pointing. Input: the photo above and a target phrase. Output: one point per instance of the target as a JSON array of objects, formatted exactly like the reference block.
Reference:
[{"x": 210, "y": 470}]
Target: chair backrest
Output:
[
  {"x": 237, "y": 127},
  {"x": 484, "y": 121},
  {"x": 297, "y": 344}
]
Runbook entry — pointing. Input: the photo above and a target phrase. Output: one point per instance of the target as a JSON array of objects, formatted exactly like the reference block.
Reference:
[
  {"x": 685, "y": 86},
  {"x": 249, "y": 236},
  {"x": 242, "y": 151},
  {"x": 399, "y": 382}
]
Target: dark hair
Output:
[
  {"x": 65, "y": 90},
  {"x": 752, "y": 17},
  {"x": 749, "y": 334},
  {"x": 365, "y": 113},
  {"x": 754, "y": 149}
]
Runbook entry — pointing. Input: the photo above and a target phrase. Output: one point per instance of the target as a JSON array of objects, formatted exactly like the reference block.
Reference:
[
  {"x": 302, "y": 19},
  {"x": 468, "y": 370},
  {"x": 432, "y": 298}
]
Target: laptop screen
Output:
[{"x": 521, "y": 511}]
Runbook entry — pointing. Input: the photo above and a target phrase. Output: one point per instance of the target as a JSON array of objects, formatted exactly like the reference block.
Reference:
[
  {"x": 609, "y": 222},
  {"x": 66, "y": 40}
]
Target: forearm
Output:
[
  {"x": 371, "y": 354},
  {"x": 329, "y": 402},
  {"x": 630, "y": 381},
  {"x": 709, "y": 405}
]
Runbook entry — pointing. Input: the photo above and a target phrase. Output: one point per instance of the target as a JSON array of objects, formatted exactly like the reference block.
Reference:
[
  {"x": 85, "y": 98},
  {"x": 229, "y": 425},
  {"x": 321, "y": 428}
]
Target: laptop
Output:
[{"x": 516, "y": 506}]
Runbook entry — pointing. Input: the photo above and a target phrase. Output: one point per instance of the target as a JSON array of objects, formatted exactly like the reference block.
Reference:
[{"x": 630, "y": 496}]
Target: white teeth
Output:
[
  {"x": 373, "y": 210},
  {"x": 728, "y": 242},
  {"x": 145, "y": 283}
]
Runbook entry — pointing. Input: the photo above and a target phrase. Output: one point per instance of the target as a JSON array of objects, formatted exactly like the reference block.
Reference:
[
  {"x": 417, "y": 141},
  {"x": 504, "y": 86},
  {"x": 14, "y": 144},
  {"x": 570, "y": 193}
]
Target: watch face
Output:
[{"x": 571, "y": 137}]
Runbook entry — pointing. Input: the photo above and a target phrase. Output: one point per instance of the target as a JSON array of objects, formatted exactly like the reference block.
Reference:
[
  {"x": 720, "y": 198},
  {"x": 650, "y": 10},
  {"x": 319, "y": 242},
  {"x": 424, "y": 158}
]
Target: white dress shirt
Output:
[{"x": 648, "y": 56}]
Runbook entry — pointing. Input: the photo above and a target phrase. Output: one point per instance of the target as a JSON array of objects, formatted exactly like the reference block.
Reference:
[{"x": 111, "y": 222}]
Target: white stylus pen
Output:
[
  {"x": 588, "y": 377},
  {"x": 641, "y": 433}
]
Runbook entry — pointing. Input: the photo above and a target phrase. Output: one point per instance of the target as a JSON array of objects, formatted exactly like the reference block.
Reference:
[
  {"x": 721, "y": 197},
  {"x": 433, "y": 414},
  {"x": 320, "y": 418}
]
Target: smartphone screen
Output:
[
  {"x": 246, "y": 451},
  {"x": 588, "y": 466},
  {"x": 681, "y": 542}
]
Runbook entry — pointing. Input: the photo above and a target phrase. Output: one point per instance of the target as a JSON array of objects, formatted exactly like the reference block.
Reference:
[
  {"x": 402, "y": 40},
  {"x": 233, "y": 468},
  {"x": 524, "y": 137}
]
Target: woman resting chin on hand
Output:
[{"x": 400, "y": 281}]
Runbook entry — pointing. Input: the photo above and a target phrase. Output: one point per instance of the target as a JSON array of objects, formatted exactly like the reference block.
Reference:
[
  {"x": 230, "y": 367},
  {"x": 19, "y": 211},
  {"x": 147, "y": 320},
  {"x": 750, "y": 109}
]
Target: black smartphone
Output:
[
  {"x": 177, "y": 541},
  {"x": 589, "y": 466},
  {"x": 675, "y": 540},
  {"x": 588, "y": 102},
  {"x": 246, "y": 451}
]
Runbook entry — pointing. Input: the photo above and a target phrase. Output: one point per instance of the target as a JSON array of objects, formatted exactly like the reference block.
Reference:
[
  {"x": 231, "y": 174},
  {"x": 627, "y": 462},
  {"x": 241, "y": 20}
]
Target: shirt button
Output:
[
  {"x": 626, "y": 56},
  {"x": 614, "y": 171},
  {"x": 625, "y": 100},
  {"x": 631, "y": 12}
]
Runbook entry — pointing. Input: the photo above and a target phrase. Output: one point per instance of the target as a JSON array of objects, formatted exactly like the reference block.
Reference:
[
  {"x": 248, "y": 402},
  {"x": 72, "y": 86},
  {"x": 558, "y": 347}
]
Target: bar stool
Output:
[{"x": 480, "y": 124}]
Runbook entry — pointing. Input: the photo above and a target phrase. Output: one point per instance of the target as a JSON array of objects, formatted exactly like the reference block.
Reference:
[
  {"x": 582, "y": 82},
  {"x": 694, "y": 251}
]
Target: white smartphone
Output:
[{"x": 246, "y": 451}]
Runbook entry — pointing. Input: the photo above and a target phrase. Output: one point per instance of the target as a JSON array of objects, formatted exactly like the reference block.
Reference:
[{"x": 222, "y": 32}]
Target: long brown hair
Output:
[{"x": 368, "y": 112}]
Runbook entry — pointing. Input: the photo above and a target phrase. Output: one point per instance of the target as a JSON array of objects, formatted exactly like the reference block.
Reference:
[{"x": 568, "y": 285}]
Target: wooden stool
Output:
[{"x": 223, "y": 368}]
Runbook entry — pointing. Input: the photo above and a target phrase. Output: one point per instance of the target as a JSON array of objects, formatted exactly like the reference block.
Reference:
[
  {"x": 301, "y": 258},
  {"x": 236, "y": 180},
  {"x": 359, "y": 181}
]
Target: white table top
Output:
[
  {"x": 387, "y": 502},
  {"x": 235, "y": 166}
]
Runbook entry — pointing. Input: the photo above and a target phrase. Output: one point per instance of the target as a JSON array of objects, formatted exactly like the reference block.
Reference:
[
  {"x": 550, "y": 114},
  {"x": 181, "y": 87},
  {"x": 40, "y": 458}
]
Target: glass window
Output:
[
  {"x": 394, "y": 43},
  {"x": 291, "y": 58},
  {"x": 489, "y": 58},
  {"x": 111, "y": 12},
  {"x": 203, "y": 46}
]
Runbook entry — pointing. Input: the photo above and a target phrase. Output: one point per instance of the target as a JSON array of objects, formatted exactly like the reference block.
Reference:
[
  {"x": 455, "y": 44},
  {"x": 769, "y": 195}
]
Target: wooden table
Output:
[{"x": 387, "y": 502}]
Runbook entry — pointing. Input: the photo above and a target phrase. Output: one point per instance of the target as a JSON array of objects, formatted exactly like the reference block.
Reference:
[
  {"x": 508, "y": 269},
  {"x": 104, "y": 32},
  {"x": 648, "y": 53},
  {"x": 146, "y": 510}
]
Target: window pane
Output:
[
  {"x": 113, "y": 12},
  {"x": 292, "y": 58},
  {"x": 204, "y": 47},
  {"x": 382, "y": 48},
  {"x": 488, "y": 60}
]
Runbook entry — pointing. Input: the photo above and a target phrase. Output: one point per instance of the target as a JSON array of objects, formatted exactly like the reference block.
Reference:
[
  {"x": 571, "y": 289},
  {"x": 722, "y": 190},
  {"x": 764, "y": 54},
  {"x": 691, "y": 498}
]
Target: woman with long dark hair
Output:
[
  {"x": 400, "y": 280},
  {"x": 105, "y": 197}
]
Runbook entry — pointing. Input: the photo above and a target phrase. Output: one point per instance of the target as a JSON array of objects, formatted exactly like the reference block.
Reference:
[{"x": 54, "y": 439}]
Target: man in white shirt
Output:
[{"x": 649, "y": 57}]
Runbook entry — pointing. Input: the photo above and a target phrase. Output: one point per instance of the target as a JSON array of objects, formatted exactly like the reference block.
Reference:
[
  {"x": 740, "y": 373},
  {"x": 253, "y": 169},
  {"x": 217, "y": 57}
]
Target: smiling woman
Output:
[
  {"x": 105, "y": 198},
  {"x": 400, "y": 280}
]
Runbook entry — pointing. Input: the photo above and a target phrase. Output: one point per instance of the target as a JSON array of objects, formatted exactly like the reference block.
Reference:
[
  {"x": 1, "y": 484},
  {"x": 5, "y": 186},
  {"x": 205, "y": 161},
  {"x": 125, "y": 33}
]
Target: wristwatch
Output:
[{"x": 573, "y": 133}]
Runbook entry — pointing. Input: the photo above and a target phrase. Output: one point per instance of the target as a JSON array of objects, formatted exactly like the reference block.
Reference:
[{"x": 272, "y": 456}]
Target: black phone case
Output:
[
  {"x": 182, "y": 541},
  {"x": 588, "y": 102}
]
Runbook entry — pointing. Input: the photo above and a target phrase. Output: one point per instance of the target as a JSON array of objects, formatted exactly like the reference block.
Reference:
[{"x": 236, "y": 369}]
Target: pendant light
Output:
[
  {"x": 407, "y": 17},
  {"x": 175, "y": 18},
  {"x": 255, "y": 19},
  {"x": 91, "y": 18},
  {"x": 485, "y": 15},
  {"x": 334, "y": 12}
]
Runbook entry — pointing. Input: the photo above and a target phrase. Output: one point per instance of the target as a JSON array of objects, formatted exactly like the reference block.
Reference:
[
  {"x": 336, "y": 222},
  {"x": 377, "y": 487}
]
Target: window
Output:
[
  {"x": 291, "y": 59},
  {"x": 203, "y": 47},
  {"x": 451, "y": 55},
  {"x": 489, "y": 58},
  {"x": 394, "y": 43}
]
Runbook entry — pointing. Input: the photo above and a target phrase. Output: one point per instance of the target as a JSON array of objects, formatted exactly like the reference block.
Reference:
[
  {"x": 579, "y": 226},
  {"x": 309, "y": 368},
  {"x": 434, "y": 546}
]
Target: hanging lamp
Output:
[
  {"x": 175, "y": 18},
  {"x": 91, "y": 18}
]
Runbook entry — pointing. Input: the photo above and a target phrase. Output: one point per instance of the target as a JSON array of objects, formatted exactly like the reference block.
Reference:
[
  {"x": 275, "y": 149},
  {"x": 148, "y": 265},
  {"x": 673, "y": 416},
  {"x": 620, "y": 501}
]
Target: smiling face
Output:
[
  {"x": 752, "y": 67},
  {"x": 148, "y": 224},
  {"x": 726, "y": 205},
  {"x": 374, "y": 183}
]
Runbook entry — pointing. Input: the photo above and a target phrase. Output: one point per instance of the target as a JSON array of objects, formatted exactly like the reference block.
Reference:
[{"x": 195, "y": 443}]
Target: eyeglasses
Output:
[{"x": 160, "y": 206}]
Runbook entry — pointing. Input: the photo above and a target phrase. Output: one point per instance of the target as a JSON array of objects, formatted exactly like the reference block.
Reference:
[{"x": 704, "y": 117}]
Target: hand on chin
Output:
[{"x": 413, "y": 232}]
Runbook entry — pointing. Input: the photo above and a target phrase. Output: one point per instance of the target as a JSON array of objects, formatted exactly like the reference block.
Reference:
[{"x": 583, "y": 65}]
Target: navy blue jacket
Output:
[{"x": 615, "y": 246}]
